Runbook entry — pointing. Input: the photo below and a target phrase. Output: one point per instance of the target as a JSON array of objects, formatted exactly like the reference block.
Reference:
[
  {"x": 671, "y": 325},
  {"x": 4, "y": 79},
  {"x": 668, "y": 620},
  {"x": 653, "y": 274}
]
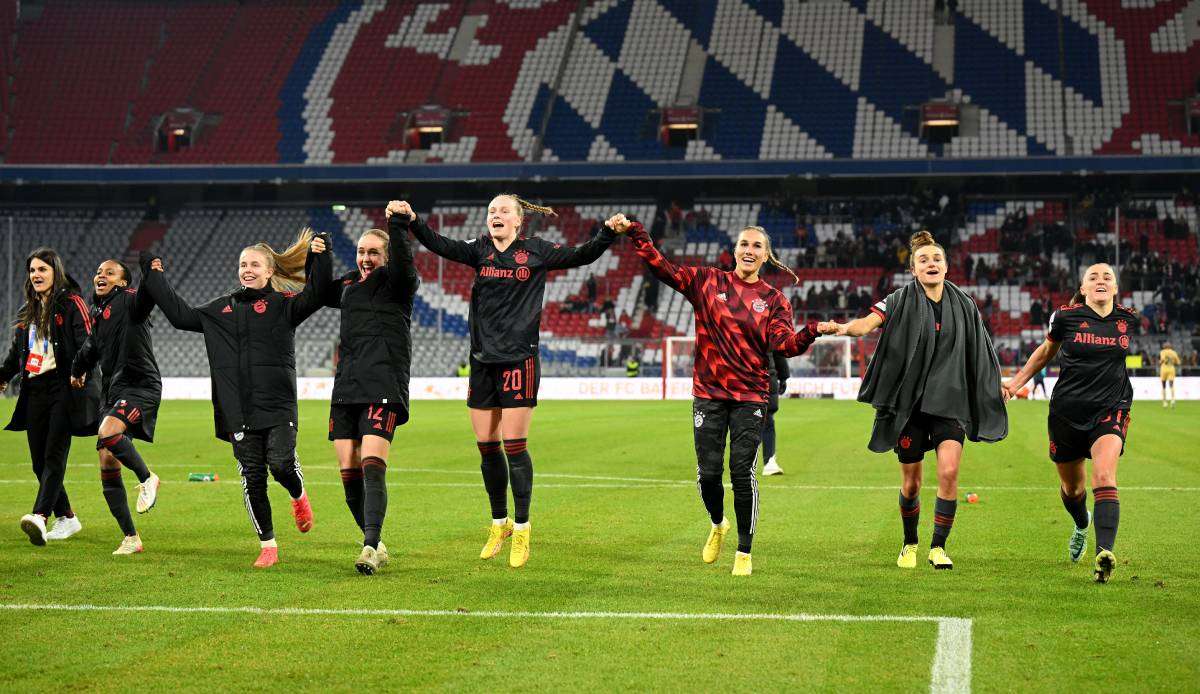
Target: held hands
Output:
[
  {"x": 399, "y": 207},
  {"x": 832, "y": 328},
  {"x": 156, "y": 264},
  {"x": 317, "y": 245},
  {"x": 1009, "y": 390},
  {"x": 618, "y": 223},
  {"x": 78, "y": 382}
]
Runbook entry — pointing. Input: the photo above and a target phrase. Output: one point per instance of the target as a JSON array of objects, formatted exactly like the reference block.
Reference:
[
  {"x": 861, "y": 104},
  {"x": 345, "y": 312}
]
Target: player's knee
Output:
[
  {"x": 910, "y": 486},
  {"x": 110, "y": 427}
]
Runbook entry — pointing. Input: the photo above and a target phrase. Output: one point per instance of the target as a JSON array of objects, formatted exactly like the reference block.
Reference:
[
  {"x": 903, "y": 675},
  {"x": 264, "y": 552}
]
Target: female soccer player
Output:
[
  {"x": 740, "y": 320},
  {"x": 131, "y": 389},
  {"x": 50, "y": 328},
  {"x": 505, "y": 316},
  {"x": 1168, "y": 359},
  {"x": 1089, "y": 409},
  {"x": 934, "y": 381},
  {"x": 250, "y": 336},
  {"x": 370, "y": 389}
]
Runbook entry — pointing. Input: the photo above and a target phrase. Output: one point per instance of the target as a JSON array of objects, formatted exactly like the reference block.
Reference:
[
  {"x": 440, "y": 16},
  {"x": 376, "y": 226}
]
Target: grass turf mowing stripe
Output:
[{"x": 951, "y": 669}]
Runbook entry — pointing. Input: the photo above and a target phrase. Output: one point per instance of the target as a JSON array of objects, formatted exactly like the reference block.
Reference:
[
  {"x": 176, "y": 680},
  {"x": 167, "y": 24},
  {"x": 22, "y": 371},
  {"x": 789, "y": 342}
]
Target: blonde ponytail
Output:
[
  {"x": 523, "y": 205},
  {"x": 289, "y": 264}
]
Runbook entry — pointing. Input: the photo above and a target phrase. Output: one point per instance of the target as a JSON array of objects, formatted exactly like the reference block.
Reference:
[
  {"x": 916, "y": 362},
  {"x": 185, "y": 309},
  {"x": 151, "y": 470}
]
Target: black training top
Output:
[
  {"x": 1093, "y": 381},
  {"x": 120, "y": 342},
  {"x": 506, "y": 298}
]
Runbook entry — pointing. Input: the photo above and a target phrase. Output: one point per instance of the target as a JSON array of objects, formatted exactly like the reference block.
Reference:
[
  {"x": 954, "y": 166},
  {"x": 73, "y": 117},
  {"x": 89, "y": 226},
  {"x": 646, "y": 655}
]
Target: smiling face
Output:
[
  {"x": 504, "y": 217},
  {"x": 41, "y": 276},
  {"x": 1099, "y": 285},
  {"x": 372, "y": 253},
  {"x": 254, "y": 270},
  {"x": 751, "y": 251},
  {"x": 109, "y": 276},
  {"x": 929, "y": 265}
]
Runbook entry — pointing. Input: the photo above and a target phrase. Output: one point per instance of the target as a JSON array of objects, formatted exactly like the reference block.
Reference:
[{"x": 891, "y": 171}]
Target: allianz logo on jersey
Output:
[{"x": 521, "y": 273}]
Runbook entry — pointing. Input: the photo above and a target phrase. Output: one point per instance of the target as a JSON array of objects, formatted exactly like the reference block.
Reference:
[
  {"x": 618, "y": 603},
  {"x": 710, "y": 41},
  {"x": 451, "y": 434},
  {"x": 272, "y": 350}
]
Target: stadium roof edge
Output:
[{"x": 509, "y": 171}]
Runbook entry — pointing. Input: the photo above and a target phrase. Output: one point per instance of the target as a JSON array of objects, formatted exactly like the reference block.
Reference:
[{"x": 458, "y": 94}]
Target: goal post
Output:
[{"x": 828, "y": 357}]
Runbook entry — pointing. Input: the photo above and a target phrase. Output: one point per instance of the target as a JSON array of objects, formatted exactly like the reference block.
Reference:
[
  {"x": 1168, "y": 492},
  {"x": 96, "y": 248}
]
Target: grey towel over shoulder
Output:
[{"x": 964, "y": 384}]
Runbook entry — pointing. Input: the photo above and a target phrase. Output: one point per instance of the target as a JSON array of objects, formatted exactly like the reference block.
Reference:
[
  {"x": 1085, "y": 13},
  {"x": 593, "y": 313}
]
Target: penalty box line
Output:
[{"x": 950, "y": 671}]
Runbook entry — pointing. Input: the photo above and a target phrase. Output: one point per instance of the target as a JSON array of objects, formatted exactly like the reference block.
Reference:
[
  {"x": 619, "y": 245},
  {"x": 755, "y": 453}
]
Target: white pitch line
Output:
[{"x": 951, "y": 669}]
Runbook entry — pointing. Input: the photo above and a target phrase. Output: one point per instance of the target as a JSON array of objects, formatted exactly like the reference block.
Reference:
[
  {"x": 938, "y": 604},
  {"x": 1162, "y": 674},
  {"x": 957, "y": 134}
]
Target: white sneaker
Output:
[
  {"x": 1077, "y": 545},
  {"x": 132, "y": 544},
  {"x": 147, "y": 493},
  {"x": 64, "y": 528},
  {"x": 772, "y": 468},
  {"x": 35, "y": 527}
]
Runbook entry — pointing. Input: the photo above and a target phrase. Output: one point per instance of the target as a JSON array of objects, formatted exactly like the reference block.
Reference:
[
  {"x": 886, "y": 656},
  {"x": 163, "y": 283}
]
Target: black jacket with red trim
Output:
[
  {"x": 69, "y": 328},
  {"x": 375, "y": 347},
  {"x": 120, "y": 343},
  {"x": 250, "y": 337}
]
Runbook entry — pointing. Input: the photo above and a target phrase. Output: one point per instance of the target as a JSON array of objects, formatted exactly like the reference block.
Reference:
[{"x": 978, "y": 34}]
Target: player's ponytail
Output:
[
  {"x": 288, "y": 264},
  {"x": 523, "y": 205},
  {"x": 771, "y": 257}
]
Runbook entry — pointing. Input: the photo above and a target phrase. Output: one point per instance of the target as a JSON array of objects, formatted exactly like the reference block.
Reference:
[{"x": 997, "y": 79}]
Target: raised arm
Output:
[
  {"x": 1037, "y": 361},
  {"x": 785, "y": 339},
  {"x": 402, "y": 273},
  {"x": 179, "y": 313},
  {"x": 561, "y": 257},
  {"x": 451, "y": 249},
  {"x": 677, "y": 277},
  {"x": 140, "y": 306},
  {"x": 318, "y": 274},
  {"x": 855, "y": 328}
]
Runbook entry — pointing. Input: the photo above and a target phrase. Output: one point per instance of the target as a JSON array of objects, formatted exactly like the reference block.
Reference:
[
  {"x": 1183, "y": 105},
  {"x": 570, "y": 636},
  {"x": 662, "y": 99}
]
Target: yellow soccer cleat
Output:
[
  {"x": 908, "y": 557},
  {"x": 938, "y": 558},
  {"x": 1106, "y": 561},
  {"x": 741, "y": 564},
  {"x": 716, "y": 537},
  {"x": 518, "y": 553},
  {"x": 497, "y": 532}
]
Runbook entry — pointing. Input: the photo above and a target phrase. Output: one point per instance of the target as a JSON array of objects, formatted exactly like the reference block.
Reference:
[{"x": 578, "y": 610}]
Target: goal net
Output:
[{"x": 828, "y": 357}]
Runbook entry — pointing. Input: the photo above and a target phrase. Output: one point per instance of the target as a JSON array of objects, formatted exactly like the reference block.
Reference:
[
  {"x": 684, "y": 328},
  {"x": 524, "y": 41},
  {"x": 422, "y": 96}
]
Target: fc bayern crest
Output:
[
  {"x": 107, "y": 312},
  {"x": 260, "y": 306},
  {"x": 521, "y": 257},
  {"x": 1121, "y": 327},
  {"x": 759, "y": 306}
]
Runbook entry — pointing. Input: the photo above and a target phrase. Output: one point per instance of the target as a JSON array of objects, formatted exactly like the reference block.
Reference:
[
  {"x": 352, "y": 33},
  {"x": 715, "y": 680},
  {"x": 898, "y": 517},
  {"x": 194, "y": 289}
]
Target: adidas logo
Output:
[
  {"x": 758, "y": 413},
  {"x": 227, "y": 309},
  {"x": 1083, "y": 325}
]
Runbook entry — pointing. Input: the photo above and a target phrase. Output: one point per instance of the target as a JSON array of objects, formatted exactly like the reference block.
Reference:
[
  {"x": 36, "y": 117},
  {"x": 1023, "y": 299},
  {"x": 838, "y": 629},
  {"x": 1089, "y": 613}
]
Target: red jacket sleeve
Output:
[
  {"x": 784, "y": 338},
  {"x": 678, "y": 277}
]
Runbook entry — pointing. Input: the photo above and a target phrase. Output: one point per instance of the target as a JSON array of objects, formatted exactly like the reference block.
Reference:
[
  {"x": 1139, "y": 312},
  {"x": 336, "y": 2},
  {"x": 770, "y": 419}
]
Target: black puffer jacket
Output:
[
  {"x": 120, "y": 342},
  {"x": 250, "y": 337},
  {"x": 69, "y": 328},
  {"x": 375, "y": 348}
]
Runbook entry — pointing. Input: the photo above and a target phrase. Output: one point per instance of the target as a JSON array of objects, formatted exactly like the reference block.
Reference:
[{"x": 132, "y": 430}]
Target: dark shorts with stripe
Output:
[
  {"x": 924, "y": 432},
  {"x": 504, "y": 385},
  {"x": 356, "y": 420},
  {"x": 139, "y": 417},
  {"x": 1068, "y": 444}
]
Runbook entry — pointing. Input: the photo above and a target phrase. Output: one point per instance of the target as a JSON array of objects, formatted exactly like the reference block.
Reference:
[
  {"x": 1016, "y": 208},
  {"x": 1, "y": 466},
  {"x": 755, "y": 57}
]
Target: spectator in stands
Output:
[
  {"x": 250, "y": 336},
  {"x": 1036, "y": 314},
  {"x": 591, "y": 289},
  {"x": 51, "y": 327}
]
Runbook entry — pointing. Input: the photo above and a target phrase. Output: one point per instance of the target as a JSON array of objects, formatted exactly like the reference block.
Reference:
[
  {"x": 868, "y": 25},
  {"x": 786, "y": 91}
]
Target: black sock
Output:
[
  {"x": 374, "y": 499},
  {"x": 910, "y": 515},
  {"x": 520, "y": 470},
  {"x": 118, "y": 502},
  {"x": 943, "y": 520},
  {"x": 768, "y": 438},
  {"x": 352, "y": 482},
  {"x": 1076, "y": 506},
  {"x": 122, "y": 449},
  {"x": 712, "y": 492},
  {"x": 495, "y": 476},
  {"x": 1106, "y": 513}
]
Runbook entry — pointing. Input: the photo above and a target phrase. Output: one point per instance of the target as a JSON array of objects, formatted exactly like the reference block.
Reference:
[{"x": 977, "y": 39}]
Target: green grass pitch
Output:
[{"x": 617, "y": 528}]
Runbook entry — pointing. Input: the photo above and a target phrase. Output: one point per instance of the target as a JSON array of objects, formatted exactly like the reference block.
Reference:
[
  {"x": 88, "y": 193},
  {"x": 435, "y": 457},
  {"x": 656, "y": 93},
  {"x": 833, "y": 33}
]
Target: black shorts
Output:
[
  {"x": 504, "y": 385},
  {"x": 1068, "y": 444},
  {"x": 356, "y": 420},
  {"x": 924, "y": 432},
  {"x": 138, "y": 417}
]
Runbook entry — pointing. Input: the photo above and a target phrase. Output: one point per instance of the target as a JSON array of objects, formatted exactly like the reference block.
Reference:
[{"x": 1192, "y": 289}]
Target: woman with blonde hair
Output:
[
  {"x": 934, "y": 381},
  {"x": 250, "y": 337},
  {"x": 740, "y": 321},
  {"x": 504, "y": 320}
]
